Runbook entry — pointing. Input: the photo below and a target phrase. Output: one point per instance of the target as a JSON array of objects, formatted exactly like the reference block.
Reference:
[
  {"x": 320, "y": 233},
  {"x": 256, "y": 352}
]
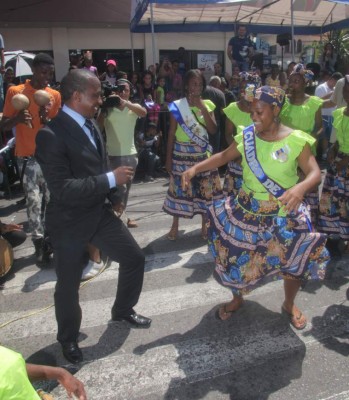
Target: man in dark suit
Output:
[{"x": 71, "y": 153}]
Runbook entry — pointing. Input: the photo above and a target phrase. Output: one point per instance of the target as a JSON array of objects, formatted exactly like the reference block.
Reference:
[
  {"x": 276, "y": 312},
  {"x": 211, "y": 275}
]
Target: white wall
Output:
[{"x": 60, "y": 40}]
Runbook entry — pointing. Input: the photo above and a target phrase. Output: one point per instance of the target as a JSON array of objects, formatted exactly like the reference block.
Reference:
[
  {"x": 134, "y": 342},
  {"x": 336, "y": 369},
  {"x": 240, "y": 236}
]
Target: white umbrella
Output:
[{"x": 20, "y": 61}]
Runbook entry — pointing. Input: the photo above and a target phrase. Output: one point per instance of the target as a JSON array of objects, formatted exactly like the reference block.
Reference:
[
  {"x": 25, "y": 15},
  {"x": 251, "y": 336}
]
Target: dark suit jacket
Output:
[{"x": 75, "y": 174}]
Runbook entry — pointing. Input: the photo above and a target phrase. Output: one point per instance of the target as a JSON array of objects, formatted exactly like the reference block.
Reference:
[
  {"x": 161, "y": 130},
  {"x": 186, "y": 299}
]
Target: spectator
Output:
[
  {"x": 328, "y": 58},
  {"x": 324, "y": 91},
  {"x": 2, "y": 71},
  {"x": 234, "y": 86},
  {"x": 183, "y": 61},
  {"x": 166, "y": 71},
  {"x": 240, "y": 49},
  {"x": 9, "y": 79},
  {"x": 214, "y": 93},
  {"x": 218, "y": 70},
  {"x": 148, "y": 145},
  {"x": 88, "y": 63},
  {"x": 136, "y": 91},
  {"x": 147, "y": 86},
  {"x": 177, "y": 81},
  {"x": 160, "y": 91},
  {"x": 119, "y": 124},
  {"x": 228, "y": 94},
  {"x": 110, "y": 74},
  {"x": 274, "y": 79},
  {"x": 75, "y": 59}
]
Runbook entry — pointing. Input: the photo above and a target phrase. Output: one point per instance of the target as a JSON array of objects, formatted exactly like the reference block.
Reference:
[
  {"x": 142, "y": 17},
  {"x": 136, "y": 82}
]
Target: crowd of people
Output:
[{"x": 78, "y": 154}]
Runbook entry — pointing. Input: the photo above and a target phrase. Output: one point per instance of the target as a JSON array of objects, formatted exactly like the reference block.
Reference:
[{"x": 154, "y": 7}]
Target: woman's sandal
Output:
[
  {"x": 204, "y": 232},
  {"x": 297, "y": 321},
  {"x": 223, "y": 313},
  {"x": 172, "y": 235}
]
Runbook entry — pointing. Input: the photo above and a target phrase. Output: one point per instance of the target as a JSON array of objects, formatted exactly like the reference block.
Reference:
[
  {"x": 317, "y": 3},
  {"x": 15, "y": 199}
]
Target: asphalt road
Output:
[{"x": 187, "y": 354}]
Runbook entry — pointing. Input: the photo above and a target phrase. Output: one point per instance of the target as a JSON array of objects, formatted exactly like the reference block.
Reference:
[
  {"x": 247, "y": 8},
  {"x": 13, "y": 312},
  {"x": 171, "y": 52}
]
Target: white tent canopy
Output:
[{"x": 261, "y": 16}]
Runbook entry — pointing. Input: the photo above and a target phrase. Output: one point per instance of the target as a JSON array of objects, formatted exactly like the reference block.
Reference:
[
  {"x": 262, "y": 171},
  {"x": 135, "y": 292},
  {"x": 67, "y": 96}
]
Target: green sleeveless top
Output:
[
  {"x": 301, "y": 116},
  {"x": 341, "y": 123},
  {"x": 239, "y": 118},
  {"x": 181, "y": 136},
  {"x": 284, "y": 173}
]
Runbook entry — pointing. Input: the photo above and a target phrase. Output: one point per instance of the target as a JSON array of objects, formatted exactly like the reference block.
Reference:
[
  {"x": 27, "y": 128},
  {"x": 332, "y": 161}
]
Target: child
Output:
[
  {"x": 334, "y": 201},
  {"x": 160, "y": 92},
  {"x": 148, "y": 145}
]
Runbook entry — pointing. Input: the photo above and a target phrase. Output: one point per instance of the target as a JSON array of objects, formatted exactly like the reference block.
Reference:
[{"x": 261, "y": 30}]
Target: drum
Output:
[{"x": 6, "y": 257}]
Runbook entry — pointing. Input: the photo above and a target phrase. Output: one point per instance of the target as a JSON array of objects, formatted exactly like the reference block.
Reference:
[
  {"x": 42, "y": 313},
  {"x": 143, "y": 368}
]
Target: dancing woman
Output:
[
  {"x": 303, "y": 112},
  {"x": 192, "y": 120},
  {"x": 264, "y": 233},
  {"x": 238, "y": 117}
]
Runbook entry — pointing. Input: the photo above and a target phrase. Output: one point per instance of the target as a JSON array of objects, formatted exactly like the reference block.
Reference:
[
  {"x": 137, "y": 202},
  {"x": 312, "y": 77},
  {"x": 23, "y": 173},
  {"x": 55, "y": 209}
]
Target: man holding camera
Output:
[
  {"x": 72, "y": 155},
  {"x": 119, "y": 120}
]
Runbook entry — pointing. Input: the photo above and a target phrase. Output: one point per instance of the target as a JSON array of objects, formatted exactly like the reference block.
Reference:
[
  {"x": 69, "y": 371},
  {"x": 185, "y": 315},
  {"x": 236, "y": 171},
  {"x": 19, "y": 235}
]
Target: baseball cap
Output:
[{"x": 112, "y": 62}]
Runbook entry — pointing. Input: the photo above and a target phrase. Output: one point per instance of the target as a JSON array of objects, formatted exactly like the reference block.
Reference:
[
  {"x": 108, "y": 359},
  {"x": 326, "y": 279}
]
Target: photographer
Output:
[{"x": 118, "y": 118}]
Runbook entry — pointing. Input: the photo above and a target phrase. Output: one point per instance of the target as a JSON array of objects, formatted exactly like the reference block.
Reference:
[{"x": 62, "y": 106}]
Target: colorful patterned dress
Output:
[
  {"x": 251, "y": 238},
  {"x": 303, "y": 117},
  {"x": 334, "y": 201},
  {"x": 203, "y": 188},
  {"x": 233, "y": 175}
]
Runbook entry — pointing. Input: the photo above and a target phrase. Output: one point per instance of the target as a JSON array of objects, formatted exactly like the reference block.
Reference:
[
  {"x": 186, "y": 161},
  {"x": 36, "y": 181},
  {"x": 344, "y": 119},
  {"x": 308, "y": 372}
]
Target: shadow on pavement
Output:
[
  {"x": 332, "y": 328},
  {"x": 251, "y": 355}
]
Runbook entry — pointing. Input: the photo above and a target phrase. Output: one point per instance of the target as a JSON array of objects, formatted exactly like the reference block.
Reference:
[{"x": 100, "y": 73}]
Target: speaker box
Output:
[{"x": 283, "y": 39}]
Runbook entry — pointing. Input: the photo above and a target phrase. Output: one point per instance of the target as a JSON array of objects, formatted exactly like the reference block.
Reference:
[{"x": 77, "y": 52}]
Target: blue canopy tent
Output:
[
  {"x": 297, "y": 17},
  {"x": 310, "y": 17}
]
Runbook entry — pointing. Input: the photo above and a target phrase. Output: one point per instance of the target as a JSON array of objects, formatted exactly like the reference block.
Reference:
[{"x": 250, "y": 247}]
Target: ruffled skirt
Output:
[
  {"x": 232, "y": 179},
  {"x": 253, "y": 245},
  {"x": 204, "y": 188},
  {"x": 334, "y": 202}
]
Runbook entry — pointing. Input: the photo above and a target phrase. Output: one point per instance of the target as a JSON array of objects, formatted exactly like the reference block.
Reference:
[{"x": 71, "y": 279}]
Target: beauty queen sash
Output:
[
  {"x": 184, "y": 116},
  {"x": 272, "y": 187}
]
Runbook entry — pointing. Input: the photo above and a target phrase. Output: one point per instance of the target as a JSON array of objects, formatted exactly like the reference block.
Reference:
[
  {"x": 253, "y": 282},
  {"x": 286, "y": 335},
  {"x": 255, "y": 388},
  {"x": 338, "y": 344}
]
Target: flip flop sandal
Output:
[
  {"x": 223, "y": 310},
  {"x": 295, "y": 319},
  {"x": 172, "y": 235}
]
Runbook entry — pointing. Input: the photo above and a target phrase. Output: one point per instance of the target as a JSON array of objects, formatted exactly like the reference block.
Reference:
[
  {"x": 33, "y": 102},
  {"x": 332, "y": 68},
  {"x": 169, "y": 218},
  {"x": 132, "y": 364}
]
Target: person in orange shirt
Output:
[{"x": 26, "y": 124}]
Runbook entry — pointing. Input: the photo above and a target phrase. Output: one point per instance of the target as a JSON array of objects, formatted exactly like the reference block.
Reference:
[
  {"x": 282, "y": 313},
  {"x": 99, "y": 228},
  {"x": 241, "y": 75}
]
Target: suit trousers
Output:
[{"x": 115, "y": 241}]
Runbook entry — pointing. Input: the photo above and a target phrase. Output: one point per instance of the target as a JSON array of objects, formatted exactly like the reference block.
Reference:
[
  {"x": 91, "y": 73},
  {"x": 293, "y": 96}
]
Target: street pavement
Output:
[{"x": 187, "y": 354}]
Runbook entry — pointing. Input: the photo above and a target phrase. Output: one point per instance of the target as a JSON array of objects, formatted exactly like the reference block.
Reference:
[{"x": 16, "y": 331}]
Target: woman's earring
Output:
[{"x": 277, "y": 120}]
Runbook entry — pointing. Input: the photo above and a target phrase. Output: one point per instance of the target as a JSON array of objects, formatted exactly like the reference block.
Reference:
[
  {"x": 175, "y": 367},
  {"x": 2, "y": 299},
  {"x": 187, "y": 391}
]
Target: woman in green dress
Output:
[
  {"x": 260, "y": 235},
  {"x": 303, "y": 112}
]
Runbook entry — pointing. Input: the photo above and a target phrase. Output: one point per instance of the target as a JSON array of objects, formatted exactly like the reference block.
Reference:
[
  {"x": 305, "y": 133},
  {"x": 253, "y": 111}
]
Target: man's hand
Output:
[
  {"x": 119, "y": 209},
  {"x": 123, "y": 175}
]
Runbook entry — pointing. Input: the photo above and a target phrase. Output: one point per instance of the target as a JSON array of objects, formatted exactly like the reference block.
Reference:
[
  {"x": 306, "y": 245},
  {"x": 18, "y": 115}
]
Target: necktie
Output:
[{"x": 94, "y": 133}]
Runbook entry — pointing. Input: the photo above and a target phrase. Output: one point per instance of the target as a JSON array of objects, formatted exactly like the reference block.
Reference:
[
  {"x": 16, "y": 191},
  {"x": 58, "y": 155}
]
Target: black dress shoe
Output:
[
  {"x": 138, "y": 321},
  {"x": 72, "y": 352}
]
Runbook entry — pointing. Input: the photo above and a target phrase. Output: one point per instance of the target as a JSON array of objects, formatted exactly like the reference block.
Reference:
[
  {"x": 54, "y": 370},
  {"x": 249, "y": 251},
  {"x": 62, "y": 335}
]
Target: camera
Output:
[{"x": 109, "y": 98}]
